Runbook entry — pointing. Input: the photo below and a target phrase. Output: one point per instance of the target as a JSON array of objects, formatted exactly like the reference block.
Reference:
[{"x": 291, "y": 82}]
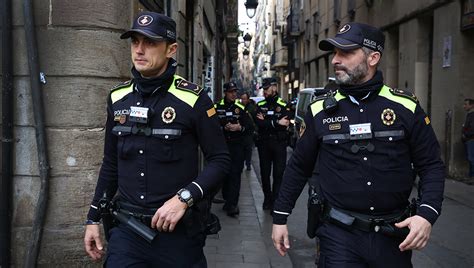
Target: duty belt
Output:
[
  {"x": 368, "y": 223},
  {"x": 147, "y": 131},
  {"x": 143, "y": 214}
]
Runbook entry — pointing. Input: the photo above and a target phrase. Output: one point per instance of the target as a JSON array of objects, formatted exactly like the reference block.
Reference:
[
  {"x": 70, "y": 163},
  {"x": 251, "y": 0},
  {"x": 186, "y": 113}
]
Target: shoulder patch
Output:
[
  {"x": 403, "y": 93},
  {"x": 188, "y": 86},
  {"x": 121, "y": 85}
]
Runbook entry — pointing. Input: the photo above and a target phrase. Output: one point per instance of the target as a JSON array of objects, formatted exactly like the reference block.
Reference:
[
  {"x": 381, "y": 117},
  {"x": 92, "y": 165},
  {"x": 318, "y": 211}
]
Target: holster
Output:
[
  {"x": 199, "y": 220},
  {"x": 315, "y": 212},
  {"x": 105, "y": 207}
]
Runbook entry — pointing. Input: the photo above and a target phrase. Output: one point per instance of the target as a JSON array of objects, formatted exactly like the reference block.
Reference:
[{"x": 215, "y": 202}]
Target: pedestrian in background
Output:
[
  {"x": 155, "y": 124},
  {"x": 468, "y": 134},
  {"x": 251, "y": 109},
  {"x": 235, "y": 123},
  {"x": 367, "y": 141},
  {"x": 272, "y": 120}
]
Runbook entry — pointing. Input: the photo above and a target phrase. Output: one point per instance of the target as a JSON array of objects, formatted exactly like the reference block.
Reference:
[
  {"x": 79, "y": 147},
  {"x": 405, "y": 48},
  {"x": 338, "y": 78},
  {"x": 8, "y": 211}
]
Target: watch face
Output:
[{"x": 185, "y": 194}]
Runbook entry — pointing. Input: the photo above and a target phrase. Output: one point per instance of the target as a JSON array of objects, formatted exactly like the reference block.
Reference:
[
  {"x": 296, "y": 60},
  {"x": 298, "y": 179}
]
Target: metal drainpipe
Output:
[
  {"x": 7, "y": 135},
  {"x": 38, "y": 111}
]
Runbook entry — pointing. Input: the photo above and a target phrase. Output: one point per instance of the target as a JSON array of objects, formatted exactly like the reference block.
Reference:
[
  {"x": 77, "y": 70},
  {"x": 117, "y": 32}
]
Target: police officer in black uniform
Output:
[
  {"x": 272, "y": 120},
  {"x": 367, "y": 141},
  {"x": 235, "y": 123},
  {"x": 155, "y": 123}
]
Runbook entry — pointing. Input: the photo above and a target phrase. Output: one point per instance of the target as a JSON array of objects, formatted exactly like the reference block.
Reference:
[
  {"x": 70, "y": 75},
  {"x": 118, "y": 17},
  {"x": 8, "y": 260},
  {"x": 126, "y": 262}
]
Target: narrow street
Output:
[{"x": 451, "y": 239}]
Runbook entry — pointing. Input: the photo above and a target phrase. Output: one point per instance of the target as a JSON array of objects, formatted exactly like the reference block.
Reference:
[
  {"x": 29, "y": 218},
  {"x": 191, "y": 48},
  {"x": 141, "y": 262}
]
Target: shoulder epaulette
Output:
[
  {"x": 188, "y": 86},
  {"x": 320, "y": 98},
  {"x": 403, "y": 93},
  {"x": 240, "y": 105},
  {"x": 281, "y": 101},
  {"x": 262, "y": 102},
  {"x": 121, "y": 85}
]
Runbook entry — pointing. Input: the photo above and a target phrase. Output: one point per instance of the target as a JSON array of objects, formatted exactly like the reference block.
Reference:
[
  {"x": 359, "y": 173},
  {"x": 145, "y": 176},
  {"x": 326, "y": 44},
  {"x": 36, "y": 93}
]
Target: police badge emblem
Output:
[
  {"x": 168, "y": 115},
  {"x": 236, "y": 111},
  {"x": 388, "y": 116},
  {"x": 278, "y": 109}
]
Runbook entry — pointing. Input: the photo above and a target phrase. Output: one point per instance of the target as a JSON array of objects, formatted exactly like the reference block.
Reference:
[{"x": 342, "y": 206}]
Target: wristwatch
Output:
[{"x": 185, "y": 196}]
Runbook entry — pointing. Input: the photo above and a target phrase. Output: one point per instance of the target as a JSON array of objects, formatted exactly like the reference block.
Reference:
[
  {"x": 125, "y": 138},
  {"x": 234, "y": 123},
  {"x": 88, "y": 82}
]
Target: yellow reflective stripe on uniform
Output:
[
  {"x": 281, "y": 102},
  {"x": 221, "y": 102},
  {"x": 120, "y": 93},
  {"x": 239, "y": 105},
  {"x": 261, "y": 103},
  {"x": 187, "y": 97},
  {"x": 317, "y": 106},
  {"x": 409, "y": 104}
]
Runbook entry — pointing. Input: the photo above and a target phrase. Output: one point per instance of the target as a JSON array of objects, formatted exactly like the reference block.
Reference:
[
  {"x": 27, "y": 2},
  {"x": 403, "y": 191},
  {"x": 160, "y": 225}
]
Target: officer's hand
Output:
[
  {"x": 280, "y": 238},
  {"x": 168, "y": 215},
  {"x": 420, "y": 230},
  {"x": 233, "y": 127},
  {"x": 92, "y": 242},
  {"x": 260, "y": 116},
  {"x": 284, "y": 121}
]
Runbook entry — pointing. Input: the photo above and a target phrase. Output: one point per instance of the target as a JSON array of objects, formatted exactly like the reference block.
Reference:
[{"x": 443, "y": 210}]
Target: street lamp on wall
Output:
[
  {"x": 247, "y": 38},
  {"x": 251, "y": 6},
  {"x": 246, "y": 54}
]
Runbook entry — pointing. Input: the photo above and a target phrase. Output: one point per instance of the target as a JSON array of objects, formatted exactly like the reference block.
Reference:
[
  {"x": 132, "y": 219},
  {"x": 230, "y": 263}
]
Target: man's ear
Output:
[
  {"x": 171, "y": 50},
  {"x": 374, "y": 58}
]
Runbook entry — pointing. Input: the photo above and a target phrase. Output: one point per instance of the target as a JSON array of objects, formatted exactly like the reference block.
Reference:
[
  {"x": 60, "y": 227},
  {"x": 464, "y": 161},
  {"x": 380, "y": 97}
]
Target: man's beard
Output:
[{"x": 351, "y": 77}]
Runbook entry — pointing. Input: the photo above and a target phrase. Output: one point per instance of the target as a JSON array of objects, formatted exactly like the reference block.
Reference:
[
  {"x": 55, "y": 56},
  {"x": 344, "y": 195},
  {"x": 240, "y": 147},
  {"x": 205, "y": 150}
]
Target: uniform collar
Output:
[{"x": 148, "y": 86}]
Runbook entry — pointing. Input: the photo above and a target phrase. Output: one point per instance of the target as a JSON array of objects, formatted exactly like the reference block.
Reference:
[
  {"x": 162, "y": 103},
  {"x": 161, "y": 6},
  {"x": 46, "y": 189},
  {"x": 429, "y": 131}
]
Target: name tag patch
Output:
[
  {"x": 138, "y": 114},
  {"x": 360, "y": 129}
]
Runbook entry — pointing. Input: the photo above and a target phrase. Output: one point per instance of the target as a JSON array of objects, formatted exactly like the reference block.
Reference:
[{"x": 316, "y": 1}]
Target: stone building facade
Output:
[{"x": 428, "y": 50}]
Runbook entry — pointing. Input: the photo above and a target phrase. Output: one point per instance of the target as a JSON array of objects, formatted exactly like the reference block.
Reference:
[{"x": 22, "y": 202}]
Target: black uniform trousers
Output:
[
  {"x": 358, "y": 249},
  {"x": 231, "y": 186},
  {"x": 272, "y": 150},
  {"x": 248, "y": 147},
  {"x": 127, "y": 249}
]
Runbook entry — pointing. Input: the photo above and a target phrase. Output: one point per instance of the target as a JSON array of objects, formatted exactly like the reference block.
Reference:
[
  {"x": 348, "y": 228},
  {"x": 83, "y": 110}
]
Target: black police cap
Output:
[
  {"x": 153, "y": 25},
  {"x": 230, "y": 86},
  {"x": 355, "y": 35},
  {"x": 268, "y": 81}
]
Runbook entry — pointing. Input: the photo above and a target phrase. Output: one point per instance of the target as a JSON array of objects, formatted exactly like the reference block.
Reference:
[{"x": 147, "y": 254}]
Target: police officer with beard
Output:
[
  {"x": 367, "y": 141},
  {"x": 272, "y": 120},
  {"x": 155, "y": 124},
  {"x": 235, "y": 124}
]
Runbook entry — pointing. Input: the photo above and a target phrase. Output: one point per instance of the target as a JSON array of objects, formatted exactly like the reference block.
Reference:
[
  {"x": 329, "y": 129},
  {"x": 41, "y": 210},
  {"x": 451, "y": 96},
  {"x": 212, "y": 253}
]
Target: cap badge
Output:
[
  {"x": 145, "y": 20},
  {"x": 168, "y": 115},
  {"x": 388, "y": 117},
  {"x": 344, "y": 29}
]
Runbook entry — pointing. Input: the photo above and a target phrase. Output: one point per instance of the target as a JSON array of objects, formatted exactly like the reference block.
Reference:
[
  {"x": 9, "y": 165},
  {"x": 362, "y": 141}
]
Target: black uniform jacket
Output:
[
  {"x": 149, "y": 168},
  {"x": 273, "y": 109},
  {"x": 233, "y": 112},
  {"x": 371, "y": 171}
]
